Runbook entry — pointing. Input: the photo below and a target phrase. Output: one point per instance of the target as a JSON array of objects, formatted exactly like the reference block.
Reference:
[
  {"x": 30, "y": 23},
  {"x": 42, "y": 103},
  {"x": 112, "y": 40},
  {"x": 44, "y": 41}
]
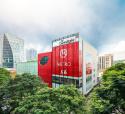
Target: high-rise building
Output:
[
  {"x": 104, "y": 62},
  {"x": 11, "y": 50},
  {"x": 31, "y": 54}
]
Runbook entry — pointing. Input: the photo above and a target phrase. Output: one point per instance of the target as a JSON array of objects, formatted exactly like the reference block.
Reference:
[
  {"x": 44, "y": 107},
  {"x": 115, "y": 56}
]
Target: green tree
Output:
[
  {"x": 63, "y": 100},
  {"x": 109, "y": 97},
  {"x": 17, "y": 89},
  {"x": 4, "y": 76}
]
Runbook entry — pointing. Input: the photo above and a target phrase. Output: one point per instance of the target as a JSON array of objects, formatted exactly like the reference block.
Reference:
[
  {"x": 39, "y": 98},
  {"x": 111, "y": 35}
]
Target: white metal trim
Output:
[{"x": 71, "y": 77}]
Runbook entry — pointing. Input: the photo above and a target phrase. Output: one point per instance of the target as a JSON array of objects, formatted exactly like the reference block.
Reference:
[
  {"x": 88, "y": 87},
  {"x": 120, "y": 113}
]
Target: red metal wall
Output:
[
  {"x": 67, "y": 64},
  {"x": 44, "y": 67}
]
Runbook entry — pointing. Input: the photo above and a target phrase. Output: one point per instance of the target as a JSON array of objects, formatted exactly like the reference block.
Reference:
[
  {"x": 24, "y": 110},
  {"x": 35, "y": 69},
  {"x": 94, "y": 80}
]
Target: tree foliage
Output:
[
  {"x": 109, "y": 97},
  {"x": 27, "y": 95},
  {"x": 4, "y": 76},
  {"x": 63, "y": 100},
  {"x": 16, "y": 89}
]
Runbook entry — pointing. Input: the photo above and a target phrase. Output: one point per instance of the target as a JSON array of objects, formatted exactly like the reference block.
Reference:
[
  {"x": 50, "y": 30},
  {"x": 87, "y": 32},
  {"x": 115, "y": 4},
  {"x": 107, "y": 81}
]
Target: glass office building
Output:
[
  {"x": 31, "y": 54},
  {"x": 11, "y": 50}
]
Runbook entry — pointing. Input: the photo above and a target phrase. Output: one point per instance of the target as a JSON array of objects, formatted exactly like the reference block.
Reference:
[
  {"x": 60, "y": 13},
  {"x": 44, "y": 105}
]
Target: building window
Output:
[
  {"x": 44, "y": 60},
  {"x": 107, "y": 58}
]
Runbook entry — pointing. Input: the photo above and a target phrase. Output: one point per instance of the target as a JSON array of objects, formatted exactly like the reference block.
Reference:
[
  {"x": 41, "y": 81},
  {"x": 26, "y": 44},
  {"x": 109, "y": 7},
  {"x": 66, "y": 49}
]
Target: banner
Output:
[{"x": 65, "y": 55}]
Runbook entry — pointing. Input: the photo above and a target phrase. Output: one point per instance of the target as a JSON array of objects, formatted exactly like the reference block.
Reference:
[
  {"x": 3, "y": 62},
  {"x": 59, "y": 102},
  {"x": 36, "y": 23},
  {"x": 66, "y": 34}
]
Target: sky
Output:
[{"x": 38, "y": 22}]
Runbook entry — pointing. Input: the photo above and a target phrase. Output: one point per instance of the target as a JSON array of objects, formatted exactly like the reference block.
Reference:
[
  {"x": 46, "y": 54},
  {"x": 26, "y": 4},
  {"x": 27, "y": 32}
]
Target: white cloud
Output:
[
  {"x": 117, "y": 49},
  {"x": 29, "y": 18},
  {"x": 45, "y": 15},
  {"x": 35, "y": 20}
]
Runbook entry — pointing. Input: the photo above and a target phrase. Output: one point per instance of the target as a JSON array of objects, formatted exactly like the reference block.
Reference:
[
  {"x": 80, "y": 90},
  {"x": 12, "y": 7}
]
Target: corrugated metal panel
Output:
[{"x": 44, "y": 67}]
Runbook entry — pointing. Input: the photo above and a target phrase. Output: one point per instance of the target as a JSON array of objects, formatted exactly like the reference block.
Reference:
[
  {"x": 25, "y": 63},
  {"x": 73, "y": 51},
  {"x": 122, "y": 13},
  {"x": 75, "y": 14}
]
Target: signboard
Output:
[{"x": 65, "y": 57}]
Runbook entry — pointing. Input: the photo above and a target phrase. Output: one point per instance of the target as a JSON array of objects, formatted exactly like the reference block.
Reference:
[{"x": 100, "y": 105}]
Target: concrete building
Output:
[
  {"x": 31, "y": 54},
  {"x": 11, "y": 50},
  {"x": 104, "y": 62},
  {"x": 27, "y": 67}
]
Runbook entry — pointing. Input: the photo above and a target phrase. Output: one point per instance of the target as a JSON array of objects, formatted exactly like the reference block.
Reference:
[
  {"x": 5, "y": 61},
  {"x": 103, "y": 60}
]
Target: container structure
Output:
[
  {"x": 45, "y": 67},
  {"x": 73, "y": 61}
]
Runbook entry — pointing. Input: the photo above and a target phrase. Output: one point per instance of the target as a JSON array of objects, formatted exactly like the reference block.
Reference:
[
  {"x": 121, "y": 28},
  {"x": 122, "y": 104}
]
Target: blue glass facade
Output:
[{"x": 7, "y": 54}]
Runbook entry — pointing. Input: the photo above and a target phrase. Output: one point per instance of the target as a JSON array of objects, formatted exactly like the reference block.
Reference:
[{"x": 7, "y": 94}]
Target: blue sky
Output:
[{"x": 38, "y": 22}]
